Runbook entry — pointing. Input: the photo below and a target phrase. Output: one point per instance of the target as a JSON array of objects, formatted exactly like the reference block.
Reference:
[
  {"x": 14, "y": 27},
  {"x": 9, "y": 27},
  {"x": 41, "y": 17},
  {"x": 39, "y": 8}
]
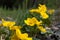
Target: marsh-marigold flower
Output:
[
  {"x": 36, "y": 21},
  {"x": 18, "y": 31},
  {"x": 15, "y": 27},
  {"x": 29, "y": 38},
  {"x": 20, "y": 35},
  {"x": 32, "y": 21},
  {"x": 34, "y": 10},
  {"x": 42, "y": 29},
  {"x": 23, "y": 36},
  {"x": 29, "y": 21},
  {"x": 14, "y": 37},
  {"x": 44, "y": 15},
  {"x": 7, "y": 23},
  {"x": 42, "y": 9}
]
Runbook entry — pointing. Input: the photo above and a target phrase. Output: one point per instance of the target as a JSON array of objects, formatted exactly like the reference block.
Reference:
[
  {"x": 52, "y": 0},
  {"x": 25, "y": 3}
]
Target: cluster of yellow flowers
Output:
[
  {"x": 33, "y": 21},
  {"x": 18, "y": 35},
  {"x": 41, "y": 10}
]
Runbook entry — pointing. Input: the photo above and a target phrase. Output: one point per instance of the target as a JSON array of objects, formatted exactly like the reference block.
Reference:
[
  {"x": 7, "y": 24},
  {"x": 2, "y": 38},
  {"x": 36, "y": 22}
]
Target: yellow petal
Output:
[{"x": 44, "y": 15}]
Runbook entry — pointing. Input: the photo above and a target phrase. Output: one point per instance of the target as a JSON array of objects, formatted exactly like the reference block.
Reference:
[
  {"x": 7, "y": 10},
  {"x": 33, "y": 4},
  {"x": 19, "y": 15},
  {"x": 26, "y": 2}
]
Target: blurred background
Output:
[
  {"x": 16, "y": 10},
  {"x": 11, "y": 4}
]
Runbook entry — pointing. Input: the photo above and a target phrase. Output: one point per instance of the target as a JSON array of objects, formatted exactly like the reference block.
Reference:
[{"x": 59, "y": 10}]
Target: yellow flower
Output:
[
  {"x": 29, "y": 21},
  {"x": 18, "y": 32},
  {"x": 14, "y": 37},
  {"x": 36, "y": 21},
  {"x": 44, "y": 15},
  {"x": 34, "y": 10},
  {"x": 15, "y": 27},
  {"x": 39, "y": 23},
  {"x": 20, "y": 35},
  {"x": 41, "y": 10},
  {"x": 32, "y": 21},
  {"x": 29, "y": 38},
  {"x": 42, "y": 29},
  {"x": 7, "y": 23},
  {"x": 23, "y": 36}
]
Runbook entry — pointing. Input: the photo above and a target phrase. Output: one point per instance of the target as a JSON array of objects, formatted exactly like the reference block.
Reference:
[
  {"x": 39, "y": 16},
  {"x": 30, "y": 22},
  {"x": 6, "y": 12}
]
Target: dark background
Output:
[{"x": 28, "y": 3}]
